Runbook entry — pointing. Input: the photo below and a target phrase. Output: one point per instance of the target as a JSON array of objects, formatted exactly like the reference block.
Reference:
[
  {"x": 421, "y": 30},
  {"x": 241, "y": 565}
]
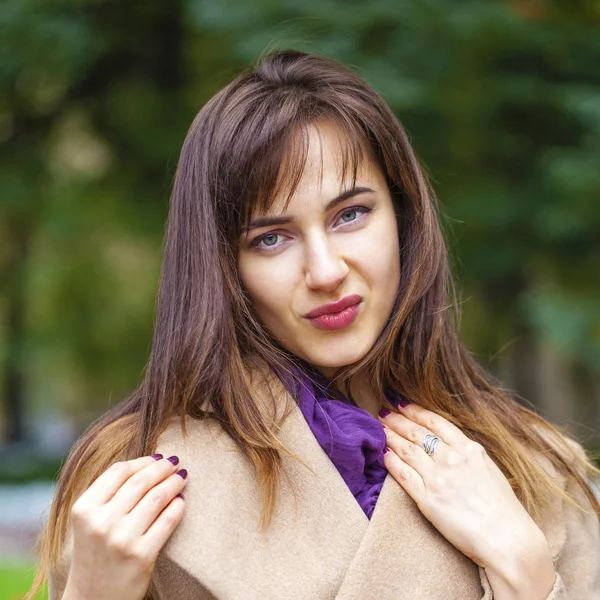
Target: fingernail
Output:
[
  {"x": 157, "y": 456},
  {"x": 403, "y": 402},
  {"x": 173, "y": 459},
  {"x": 179, "y": 496},
  {"x": 183, "y": 473},
  {"x": 384, "y": 412},
  {"x": 385, "y": 449}
]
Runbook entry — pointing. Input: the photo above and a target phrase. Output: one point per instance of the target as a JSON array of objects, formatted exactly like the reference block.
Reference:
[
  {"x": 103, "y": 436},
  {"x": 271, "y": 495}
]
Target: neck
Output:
[{"x": 361, "y": 391}]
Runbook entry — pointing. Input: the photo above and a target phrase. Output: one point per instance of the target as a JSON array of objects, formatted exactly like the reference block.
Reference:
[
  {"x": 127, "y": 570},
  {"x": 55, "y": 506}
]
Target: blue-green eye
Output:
[
  {"x": 270, "y": 239},
  {"x": 350, "y": 213},
  {"x": 354, "y": 213},
  {"x": 268, "y": 242}
]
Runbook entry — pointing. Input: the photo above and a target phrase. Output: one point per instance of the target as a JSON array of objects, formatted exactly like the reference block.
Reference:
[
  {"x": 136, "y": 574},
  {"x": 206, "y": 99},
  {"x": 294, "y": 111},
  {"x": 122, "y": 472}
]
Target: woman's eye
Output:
[
  {"x": 349, "y": 215},
  {"x": 352, "y": 214},
  {"x": 267, "y": 241},
  {"x": 270, "y": 239}
]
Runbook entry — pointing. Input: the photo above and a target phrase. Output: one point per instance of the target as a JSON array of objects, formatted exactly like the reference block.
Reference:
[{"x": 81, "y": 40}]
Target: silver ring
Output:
[{"x": 430, "y": 442}]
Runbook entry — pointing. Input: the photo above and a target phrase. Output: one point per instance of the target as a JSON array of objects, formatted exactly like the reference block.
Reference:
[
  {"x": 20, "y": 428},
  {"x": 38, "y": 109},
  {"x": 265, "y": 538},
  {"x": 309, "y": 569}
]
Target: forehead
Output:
[{"x": 321, "y": 159}]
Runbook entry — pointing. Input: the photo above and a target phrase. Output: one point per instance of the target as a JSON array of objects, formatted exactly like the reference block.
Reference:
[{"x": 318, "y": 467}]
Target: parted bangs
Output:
[{"x": 269, "y": 155}]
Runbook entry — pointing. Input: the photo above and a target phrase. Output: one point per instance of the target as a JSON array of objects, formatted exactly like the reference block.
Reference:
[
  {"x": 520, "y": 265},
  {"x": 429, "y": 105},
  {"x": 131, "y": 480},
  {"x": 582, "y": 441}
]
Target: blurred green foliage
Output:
[{"x": 501, "y": 99}]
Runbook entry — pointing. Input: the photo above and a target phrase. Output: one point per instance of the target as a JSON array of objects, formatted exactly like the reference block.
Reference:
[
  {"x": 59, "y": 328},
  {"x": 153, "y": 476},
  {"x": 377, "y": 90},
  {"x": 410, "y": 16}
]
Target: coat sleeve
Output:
[{"x": 577, "y": 564}]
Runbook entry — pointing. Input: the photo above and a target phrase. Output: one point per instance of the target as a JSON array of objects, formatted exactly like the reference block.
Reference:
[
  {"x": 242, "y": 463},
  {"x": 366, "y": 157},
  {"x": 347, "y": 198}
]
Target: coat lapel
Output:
[
  {"x": 402, "y": 557},
  {"x": 320, "y": 544},
  {"x": 218, "y": 550}
]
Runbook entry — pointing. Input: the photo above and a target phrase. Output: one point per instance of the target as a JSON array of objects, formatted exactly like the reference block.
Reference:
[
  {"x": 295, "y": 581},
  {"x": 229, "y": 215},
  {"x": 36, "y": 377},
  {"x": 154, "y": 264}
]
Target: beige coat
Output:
[{"x": 321, "y": 546}]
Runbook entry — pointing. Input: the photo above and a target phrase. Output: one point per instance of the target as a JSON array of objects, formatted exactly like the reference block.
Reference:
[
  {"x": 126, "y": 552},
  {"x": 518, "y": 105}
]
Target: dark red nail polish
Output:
[
  {"x": 157, "y": 456},
  {"x": 173, "y": 459},
  {"x": 384, "y": 412},
  {"x": 182, "y": 473},
  {"x": 403, "y": 402},
  {"x": 385, "y": 449},
  {"x": 179, "y": 496}
]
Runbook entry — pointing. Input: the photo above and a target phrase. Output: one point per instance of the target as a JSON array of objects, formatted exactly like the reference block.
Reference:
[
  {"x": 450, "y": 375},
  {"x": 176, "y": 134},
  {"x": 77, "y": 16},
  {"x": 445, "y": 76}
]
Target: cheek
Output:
[
  {"x": 378, "y": 254},
  {"x": 269, "y": 285}
]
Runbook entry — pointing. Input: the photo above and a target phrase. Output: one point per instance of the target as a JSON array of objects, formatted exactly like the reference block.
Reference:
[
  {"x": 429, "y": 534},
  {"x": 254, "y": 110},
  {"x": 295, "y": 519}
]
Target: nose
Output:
[{"x": 325, "y": 266}]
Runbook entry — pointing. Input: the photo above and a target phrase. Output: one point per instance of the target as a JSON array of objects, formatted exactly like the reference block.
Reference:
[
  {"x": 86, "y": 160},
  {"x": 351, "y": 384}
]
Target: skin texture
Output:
[{"x": 323, "y": 256}]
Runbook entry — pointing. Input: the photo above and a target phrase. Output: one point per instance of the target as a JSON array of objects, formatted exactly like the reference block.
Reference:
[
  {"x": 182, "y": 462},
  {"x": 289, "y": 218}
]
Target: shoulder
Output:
[
  {"x": 205, "y": 439},
  {"x": 570, "y": 520},
  {"x": 194, "y": 439},
  {"x": 578, "y": 560},
  {"x": 567, "y": 463},
  {"x": 554, "y": 448}
]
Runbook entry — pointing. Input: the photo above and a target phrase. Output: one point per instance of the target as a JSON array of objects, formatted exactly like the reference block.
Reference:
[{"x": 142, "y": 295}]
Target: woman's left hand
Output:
[{"x": 463, "y": 493}]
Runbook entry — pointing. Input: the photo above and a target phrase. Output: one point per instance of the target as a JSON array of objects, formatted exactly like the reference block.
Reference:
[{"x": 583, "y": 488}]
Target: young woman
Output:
[{"x": 305, "y": 299}]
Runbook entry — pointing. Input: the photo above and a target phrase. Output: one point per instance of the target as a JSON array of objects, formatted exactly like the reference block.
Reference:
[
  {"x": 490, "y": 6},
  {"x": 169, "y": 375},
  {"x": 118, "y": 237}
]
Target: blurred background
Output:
[{"x": 501, "y": 101}]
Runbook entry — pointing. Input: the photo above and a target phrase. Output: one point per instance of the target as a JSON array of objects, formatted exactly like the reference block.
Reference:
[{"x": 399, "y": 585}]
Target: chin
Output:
[{"x": 333, "y": 358}]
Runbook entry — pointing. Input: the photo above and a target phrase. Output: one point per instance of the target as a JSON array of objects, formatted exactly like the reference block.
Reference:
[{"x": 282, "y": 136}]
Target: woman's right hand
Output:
[{"x": 120, "y": 523}]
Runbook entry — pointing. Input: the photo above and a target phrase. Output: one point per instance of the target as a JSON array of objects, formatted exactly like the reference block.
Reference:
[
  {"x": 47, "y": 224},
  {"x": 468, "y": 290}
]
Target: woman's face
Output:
[{"x": 322, "y": 249}]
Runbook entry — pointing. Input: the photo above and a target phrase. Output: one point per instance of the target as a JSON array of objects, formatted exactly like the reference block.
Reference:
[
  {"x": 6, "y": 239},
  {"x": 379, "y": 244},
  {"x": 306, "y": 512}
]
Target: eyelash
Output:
[{"x": 255, "y": 243}]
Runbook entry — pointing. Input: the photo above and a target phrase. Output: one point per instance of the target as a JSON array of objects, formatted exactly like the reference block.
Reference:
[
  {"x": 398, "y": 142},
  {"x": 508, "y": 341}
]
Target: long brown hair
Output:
[{"x": 208, "y": 342}]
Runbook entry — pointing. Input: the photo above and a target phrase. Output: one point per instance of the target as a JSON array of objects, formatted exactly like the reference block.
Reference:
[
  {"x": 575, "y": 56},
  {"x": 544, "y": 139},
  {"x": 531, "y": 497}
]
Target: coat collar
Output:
[{"x": 320, "y": 543}]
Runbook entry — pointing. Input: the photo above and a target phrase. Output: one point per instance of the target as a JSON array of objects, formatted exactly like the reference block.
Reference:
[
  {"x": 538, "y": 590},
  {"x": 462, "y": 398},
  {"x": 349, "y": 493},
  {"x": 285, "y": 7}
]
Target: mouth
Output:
[
  {"x": 334, "y": 307},
  {"x": 336, "y": 315}
]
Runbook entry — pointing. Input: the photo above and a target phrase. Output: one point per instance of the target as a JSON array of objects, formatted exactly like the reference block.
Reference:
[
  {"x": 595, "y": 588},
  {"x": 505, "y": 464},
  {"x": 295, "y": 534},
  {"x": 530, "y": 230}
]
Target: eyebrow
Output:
[{"x": 283, "y": 220}]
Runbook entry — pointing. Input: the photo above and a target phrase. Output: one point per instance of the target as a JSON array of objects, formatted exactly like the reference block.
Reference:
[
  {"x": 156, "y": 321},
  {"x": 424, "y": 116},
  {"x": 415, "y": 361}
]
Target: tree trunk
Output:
[{"x": 13, "y": 395}]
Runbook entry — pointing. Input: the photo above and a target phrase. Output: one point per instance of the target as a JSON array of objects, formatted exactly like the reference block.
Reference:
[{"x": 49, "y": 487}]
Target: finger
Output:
[
  {"x": 405, "y": 475},
  {"x": 164, "y": 525},
  {"x": 105, "y": 486},
  {"x": 446, "y": 431},
  {"x": 411, "y": 454},
  {"x": 147, "y": 510},
  {"x": 413, "y": 432},
  {"x": 139, "y": 484}
]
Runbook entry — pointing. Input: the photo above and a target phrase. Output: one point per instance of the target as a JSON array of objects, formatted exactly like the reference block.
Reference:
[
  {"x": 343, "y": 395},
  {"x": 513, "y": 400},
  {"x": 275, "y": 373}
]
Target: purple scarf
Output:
[{"x": 352, "y": 438}]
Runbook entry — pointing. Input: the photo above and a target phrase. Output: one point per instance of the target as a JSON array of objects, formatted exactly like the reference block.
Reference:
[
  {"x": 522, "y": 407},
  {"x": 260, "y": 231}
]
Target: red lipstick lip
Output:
[{"x": 334, "y": 307}]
